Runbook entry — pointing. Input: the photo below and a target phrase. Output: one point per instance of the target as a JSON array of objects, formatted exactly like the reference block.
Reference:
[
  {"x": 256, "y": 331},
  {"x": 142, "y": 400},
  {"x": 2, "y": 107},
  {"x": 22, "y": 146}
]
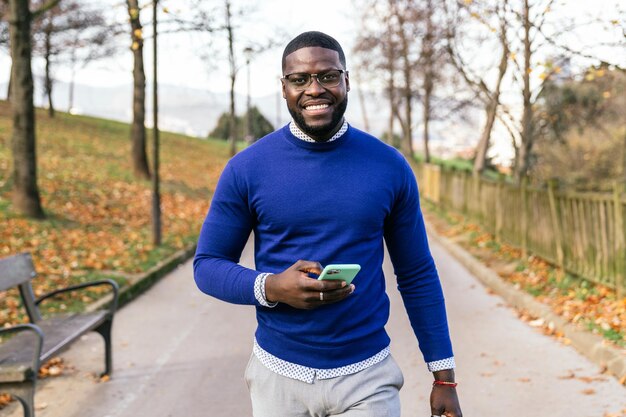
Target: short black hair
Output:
[{"x": 314, "y": 38}]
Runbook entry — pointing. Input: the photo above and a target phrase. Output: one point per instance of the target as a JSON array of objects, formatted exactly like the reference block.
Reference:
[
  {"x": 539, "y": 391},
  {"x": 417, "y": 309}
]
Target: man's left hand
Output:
[{"x": 445, "y": 402}]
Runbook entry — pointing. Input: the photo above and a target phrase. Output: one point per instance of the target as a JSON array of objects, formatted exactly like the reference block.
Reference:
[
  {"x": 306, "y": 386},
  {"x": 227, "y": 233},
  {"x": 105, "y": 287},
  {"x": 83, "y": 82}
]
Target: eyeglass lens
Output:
[{"x": 303, "y": 80}]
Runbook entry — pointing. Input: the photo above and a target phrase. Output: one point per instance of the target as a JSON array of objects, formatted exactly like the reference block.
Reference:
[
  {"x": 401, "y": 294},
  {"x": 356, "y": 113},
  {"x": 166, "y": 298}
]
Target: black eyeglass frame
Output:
[{"x": 310, "y": 79}]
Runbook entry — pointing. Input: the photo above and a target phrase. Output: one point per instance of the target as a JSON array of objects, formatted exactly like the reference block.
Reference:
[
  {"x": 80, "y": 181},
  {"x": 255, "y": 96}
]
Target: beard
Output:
[{"x": 322, "y": 131}]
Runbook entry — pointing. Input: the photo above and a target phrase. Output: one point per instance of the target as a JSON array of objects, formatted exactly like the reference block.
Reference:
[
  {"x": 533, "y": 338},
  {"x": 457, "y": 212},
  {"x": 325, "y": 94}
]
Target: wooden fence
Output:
[{"x": 583, "y": 233}]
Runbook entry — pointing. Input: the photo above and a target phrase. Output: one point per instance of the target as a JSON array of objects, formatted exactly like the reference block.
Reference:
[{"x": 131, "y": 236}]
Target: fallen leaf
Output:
[
  {"x": 589, "y": 391},
  {"x": 536, "y": 323},
  {"x": 55, "y": 371}
]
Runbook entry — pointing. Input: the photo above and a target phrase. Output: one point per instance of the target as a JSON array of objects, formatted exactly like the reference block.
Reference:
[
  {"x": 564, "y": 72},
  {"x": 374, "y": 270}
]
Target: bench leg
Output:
[
  {"x": 105, "y": 330},
  {"x": 25, "y": 393}
]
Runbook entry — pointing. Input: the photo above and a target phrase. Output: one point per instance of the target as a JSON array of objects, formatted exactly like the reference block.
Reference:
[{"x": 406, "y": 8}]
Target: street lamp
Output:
[{"x": 248, "y": 51}]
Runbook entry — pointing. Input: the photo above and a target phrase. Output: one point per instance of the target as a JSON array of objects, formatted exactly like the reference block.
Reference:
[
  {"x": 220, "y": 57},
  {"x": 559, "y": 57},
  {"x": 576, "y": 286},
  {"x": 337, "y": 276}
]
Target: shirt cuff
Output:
[
  {"x": 259, "y": 290},
  {"x": 441, "y": 365}
]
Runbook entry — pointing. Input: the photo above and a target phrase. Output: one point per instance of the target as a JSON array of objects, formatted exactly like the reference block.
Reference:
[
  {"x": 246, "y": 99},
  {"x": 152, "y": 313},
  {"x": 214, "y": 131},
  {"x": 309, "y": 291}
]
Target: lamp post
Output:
[
  {"x": 156, "y": 193},
  {"x": 248, "y": 51}
]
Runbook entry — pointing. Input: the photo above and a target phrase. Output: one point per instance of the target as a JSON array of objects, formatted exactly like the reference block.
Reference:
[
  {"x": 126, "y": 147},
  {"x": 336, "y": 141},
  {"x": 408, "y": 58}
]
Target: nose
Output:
[{"x": 315, "y": 88}]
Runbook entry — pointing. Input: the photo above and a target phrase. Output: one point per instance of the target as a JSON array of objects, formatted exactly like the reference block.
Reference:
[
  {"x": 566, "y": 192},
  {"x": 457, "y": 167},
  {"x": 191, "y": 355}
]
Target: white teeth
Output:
[{"x": 317, "y": 107}]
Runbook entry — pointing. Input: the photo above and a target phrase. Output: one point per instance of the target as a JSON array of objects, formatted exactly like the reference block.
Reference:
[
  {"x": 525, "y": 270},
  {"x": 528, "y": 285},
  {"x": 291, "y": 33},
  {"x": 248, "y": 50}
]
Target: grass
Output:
[{"x": 98, "y": 216}]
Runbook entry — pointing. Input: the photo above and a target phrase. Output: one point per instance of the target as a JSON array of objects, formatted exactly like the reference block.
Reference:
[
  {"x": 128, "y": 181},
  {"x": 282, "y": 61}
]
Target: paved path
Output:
[{"x": 180, "y": 353}]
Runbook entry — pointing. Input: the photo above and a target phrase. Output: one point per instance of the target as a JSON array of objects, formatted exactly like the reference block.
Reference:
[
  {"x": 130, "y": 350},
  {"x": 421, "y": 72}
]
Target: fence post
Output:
[
  {"x": 476, "y": 209},
  {"x": 465, "y": 191},
  {"x": 499, "y": 211},
  {"x": 524, "y": 219},
  {"x": 554, "y": 214},
  {"x": 620, "y": 247}
]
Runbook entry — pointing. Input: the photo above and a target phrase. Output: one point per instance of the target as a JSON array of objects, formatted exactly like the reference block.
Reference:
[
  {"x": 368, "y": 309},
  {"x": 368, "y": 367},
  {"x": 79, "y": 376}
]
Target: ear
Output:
[
  {"x": 347, "y": 76},
  {"x": 284, "y": 88}
]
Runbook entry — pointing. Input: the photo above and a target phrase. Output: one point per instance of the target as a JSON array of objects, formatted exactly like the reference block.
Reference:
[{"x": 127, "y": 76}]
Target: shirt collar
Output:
[{"x": 295, "y": 130}]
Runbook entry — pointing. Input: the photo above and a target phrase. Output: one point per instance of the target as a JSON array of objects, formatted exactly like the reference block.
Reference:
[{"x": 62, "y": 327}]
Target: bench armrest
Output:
[
  {"x": 108, "y": 282},
  {"x": 38, "y": 333}
]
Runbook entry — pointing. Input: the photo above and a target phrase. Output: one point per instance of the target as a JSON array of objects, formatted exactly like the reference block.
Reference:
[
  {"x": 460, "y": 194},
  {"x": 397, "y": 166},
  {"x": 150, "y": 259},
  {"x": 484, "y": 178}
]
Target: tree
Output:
[
  {"x": 4, "y": 36},
  {"x": 404, "y": 42},
  {"x": 489, "y": 96},
  {"x": 233, "y": 77},
  {"x": 138, "y": 130},
  {"x": 533, "y": 35},
  {"x": 70, "y": 32},
  {"x": 259, "y": 125},
  {"x": 23, "y": 142},
  {"x": 580, "y": 121},
  {"x": 375, "y": 52},
  {"x": 543, "y": 52},
  {"x": 385, "y": 44}
]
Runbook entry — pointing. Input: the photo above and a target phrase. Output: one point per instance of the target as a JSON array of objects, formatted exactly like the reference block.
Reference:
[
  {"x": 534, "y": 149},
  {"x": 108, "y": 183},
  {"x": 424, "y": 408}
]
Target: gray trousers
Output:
[{"x": 372, "y": 392}]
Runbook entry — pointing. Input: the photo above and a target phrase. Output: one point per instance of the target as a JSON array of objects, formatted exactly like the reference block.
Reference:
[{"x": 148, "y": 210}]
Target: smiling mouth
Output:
[{"x": 317, "y": 107}]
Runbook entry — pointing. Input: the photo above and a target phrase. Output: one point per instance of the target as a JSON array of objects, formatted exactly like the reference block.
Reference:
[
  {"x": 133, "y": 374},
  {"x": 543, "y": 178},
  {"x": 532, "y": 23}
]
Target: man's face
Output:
[{"x": 318, "y": 111}]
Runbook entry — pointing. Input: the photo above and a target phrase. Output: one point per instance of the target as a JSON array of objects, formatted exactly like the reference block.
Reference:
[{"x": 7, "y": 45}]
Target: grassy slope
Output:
[{"x": 98, "y": 215}]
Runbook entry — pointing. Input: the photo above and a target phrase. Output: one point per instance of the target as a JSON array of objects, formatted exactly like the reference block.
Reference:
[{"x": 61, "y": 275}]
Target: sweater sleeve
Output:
[
  {"x": 417, "y": 277},
  {"x": 222, "y": 238}
]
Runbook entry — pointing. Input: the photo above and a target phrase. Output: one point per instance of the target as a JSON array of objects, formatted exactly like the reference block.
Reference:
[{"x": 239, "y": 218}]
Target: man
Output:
[{"x": 319, "y": 192}]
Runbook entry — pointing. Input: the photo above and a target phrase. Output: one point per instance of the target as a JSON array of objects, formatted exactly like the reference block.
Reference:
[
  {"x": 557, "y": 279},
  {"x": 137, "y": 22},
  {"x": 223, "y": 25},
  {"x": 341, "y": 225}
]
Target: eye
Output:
[
  {"x": 298, "y": 79},
  {"x": 329, "y": 77}
]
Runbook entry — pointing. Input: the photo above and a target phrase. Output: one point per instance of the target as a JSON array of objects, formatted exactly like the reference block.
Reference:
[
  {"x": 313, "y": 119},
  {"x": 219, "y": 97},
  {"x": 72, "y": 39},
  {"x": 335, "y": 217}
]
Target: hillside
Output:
[{"x": 98, "y": 216}]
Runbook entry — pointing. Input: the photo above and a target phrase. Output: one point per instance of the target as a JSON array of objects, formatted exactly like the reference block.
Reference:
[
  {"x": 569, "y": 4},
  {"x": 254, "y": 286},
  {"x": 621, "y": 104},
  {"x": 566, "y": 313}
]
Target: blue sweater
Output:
[{"x": 332, "y": 203}]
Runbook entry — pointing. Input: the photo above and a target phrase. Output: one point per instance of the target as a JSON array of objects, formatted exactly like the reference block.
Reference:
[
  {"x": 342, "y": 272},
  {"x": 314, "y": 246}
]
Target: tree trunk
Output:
[
  {"x": 70, "y": 100},
  {"x": 480, "y": 160},
  {"x": 624, "y": 162},
  {"x": 428, "y": 52},
  {"x": 25, "y": 191},
  {"x": 391, "y": 67},
  {"x": 138, "y": 129},
  {"x": 491, "y": 109},
  {"x": 392, "y": 111},
  {"x": 232, "y": 127},
  {"x": 527, "y": 135},
  {"x": 407, "y": 143},
  {"x": 47, "y": 55},
  {"x": 366, "y": 122},
  {"x": 9, "y": 86},
  {"x": 427, "y": 95}
]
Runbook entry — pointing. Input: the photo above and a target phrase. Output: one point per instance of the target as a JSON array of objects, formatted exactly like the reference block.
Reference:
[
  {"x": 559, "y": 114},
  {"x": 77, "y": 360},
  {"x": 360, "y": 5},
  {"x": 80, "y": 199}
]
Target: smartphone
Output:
[{"x": 343, "y": 272}]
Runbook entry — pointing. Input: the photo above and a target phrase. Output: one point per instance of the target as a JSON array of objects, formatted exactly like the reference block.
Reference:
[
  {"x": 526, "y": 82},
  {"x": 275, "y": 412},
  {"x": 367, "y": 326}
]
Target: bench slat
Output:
[{"x": 59, "y": 332}]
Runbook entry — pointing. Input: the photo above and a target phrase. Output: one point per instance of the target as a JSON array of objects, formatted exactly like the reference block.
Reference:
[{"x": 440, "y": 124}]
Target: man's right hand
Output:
[{"x": 294, "y": 287}]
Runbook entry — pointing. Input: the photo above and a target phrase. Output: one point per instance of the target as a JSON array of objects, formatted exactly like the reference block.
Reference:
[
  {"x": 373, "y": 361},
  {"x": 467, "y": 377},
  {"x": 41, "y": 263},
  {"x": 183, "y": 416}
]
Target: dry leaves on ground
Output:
[
  {"x": 594, "y": 306},
  {"x": 98, "y": 215}
]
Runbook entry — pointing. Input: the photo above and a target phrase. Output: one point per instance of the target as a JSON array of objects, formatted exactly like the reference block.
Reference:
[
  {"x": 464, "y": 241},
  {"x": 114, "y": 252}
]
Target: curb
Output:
[
  {"x": 138, "y": 284},
  {"x": 594, "y": 347}
]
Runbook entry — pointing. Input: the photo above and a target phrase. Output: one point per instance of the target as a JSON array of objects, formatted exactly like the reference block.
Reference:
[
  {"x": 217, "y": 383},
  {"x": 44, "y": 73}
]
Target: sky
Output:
[
  {"x": 179, "y": 54},
  {"x": 180, "y": 63}
]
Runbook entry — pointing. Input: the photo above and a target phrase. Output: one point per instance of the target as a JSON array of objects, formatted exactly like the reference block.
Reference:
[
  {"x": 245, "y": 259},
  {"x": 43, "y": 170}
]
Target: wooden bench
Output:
[{"x": 29, "y": 345}]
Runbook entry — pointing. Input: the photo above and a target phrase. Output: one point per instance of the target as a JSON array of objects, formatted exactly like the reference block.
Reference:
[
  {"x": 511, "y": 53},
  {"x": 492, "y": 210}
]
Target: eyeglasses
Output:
[{"x": 301, "y": 80}]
